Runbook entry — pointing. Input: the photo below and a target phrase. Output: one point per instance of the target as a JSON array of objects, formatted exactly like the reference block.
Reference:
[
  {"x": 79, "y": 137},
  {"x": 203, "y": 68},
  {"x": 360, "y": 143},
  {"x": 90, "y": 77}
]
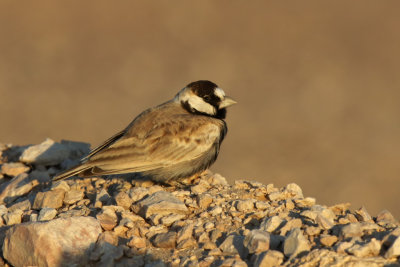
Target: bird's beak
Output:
[{"x": 227, "y": 102}]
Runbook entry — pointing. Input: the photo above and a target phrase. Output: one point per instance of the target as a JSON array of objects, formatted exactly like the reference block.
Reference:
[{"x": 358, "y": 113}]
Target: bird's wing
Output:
[
  {"x": 104, "y": 145},
  {"x": 167, "y": 143}
]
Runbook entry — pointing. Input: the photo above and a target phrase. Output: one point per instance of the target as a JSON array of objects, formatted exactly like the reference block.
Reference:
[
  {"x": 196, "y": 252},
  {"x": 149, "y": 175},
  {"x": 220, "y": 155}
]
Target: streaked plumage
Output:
[{"x": 174, "y": 140}]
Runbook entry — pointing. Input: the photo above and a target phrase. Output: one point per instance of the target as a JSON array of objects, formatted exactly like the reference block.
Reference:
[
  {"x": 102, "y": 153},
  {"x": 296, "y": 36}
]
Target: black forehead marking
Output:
[
  {"x": 206, "y": 90},
  {"x": 203, "y": 88}
]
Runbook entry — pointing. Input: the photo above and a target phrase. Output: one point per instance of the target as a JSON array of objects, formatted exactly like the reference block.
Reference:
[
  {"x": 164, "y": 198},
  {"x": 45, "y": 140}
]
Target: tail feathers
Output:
[{"x": 71, "y": 172}]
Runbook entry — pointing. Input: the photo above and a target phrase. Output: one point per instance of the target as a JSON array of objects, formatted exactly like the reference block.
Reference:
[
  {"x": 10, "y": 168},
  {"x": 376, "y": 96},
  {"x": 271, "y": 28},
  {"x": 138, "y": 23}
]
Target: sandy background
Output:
[{"x": 318, "y": 84}]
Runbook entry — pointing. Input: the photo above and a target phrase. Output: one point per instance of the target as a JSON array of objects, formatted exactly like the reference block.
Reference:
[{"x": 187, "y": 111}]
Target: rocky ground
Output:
[{"x": 199, "y": 222}]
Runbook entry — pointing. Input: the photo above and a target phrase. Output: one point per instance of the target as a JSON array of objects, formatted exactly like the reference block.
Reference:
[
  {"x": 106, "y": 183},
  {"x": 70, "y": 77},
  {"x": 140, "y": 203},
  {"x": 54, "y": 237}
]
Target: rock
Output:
[
  {"x": 269, "y": 258},
  {"x": 232, "y": 245},
  {"x": 367, "y": 249},
  {"x": 170, "y": 219},
  {"x": 17, "y": 187},
  {"x": 47, "y": 214},
  {"x": 295, "y": 243},
  {"x": 103, "y": 198},
  {"x": 161, "y": 203},
  {"x": 138, "y": 193},
  {"x": 137, "y": 242},
  {"x": 49, "y": 199},
  {"x": 262, "y": 205},
  {"x": 108, "y": 218},
  {"x": 271, "y": 224},
  {"x": 362, "y": 215},
  {"x": 217, "y": 179},
  {"x": 123, "y": 200},
  {"x": 204, "y": 200},
  {"x": 257, "y": 241},
  {"x": 165, "y": 240},
  {"x": 394, "y": 249},
  {"x": 293, "y": 191},
  {"x": 60, "y": 242},
  {"x": 328, "y": 240},
  {"x": 200, "y": 188},
  {"x": 106, "y": 250},
  {"x": 73, "y": 196},
  {"x": 47, "y": 153},
  {"x": 276, "y": 196},
  {"x": 22, "y": 205},
  {"x": 351, "y": 230},
  {"x": 14, "y": 168},
  {"x": 191, "y": 243},
  {"x": 294, "y": 223},
  {"x": 216, "y": 211},
  {"x": 3, "y": 210},
  {"x": 244, "y": 205},
  {"x": 385, "y": 218},
  {"x": 320, "y": 215},
  {"x": 60, "y": 185},
  {"x": 305, "y": 202},
  {"x": 12, "y": 218},
  {"x": 340, "y": 209},
  {"x": 312, "y": 230}
]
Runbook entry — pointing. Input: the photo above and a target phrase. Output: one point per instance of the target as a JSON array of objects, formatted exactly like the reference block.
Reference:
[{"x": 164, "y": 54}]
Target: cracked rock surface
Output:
[{"x": 118, "y": 221}]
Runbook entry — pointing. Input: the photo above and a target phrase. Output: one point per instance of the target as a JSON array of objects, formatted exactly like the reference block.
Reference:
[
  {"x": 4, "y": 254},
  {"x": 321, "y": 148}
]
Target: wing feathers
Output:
[{"x": 159, "y": 140}]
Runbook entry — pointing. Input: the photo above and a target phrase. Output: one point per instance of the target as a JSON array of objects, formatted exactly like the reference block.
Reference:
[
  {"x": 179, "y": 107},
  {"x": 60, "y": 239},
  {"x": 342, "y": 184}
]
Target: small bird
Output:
[{"x": 171, "y": 141}]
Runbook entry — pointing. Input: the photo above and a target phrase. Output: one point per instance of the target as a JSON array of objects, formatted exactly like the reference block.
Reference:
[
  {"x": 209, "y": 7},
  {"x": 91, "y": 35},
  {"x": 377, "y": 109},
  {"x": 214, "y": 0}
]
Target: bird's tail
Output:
[{"x": 71, "y": 172}]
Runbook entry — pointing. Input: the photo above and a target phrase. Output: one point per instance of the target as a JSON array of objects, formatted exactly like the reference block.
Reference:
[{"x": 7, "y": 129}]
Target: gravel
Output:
[{"x": 116, "y": 221}]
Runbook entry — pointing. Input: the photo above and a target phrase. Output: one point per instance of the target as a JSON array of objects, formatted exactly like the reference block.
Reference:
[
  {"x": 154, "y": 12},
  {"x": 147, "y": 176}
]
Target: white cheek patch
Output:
[
  {"x": 220, "y": 93},
  {"x": 200, "y": 105}
]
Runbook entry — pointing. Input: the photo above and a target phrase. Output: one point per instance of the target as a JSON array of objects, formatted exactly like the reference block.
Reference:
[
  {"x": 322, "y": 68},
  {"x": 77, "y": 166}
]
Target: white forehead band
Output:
[{"x": 220, "y": 93}]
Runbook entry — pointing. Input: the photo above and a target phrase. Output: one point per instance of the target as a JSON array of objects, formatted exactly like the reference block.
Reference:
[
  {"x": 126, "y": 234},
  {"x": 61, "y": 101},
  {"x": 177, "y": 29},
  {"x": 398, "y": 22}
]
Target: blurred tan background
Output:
[{"x": 317, "y": 83}]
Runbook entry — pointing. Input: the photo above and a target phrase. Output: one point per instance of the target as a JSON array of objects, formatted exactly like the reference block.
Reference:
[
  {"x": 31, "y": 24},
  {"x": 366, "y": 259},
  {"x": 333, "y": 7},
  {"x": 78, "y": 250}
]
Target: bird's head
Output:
[{"x": 204, "y": 97}]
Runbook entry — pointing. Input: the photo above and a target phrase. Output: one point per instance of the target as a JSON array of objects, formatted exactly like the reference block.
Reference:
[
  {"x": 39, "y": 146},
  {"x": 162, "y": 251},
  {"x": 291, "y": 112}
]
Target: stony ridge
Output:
[{"x": 200, "y": 222}]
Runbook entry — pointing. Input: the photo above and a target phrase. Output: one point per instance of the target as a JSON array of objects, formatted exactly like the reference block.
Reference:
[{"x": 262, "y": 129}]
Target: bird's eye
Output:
[{"x": 207, "y": 98}]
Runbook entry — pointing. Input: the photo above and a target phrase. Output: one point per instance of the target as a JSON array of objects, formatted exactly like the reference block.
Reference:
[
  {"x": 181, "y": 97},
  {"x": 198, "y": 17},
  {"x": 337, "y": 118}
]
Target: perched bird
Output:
[{"x": 174, "y": 140}]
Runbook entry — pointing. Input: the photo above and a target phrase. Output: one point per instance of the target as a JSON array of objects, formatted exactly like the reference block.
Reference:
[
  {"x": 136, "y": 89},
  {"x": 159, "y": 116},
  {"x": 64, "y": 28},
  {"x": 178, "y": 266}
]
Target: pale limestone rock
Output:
[
  {"x": 271, "y": 224},
  {"x": 15, "y": 188},
  {"x": 13, "y": 168},
  {"x": 394, "y": 249},
  {"x": 73, "y": 196},
  {"x": 12, "y": 218},
  {"x": 294, "y": 223},
  {"x": 60, "y": 242},
  {"x": 204, "y": 200},
  {"x": 49, "y": 199},
  {"x": 165, "y": 240},
  {"x": 351, "y": 230},
  {"x": 46, "y": 153},
  {"x": 293, "y": 191},
  {"x": 185, "y": 233},
  {"x": 108, "y": 219},
  {"x": 216, "y": 211},
  {"x": 161, "y": 203},
  {"x": 295, "y": 243},
  {"x": 270, "y": 258},
  {"x": 244, "y": 205},
  {"x": 363, "y": 215},
  {"x": 233, "y": 244},
  {"x": 217, "y": 179},
  {"x": 46, "y": 214},
  {"x": 123, "y": 200},
  {"x": 23, "y": 205},
  {"x": 60, "y": 185},
  {"x": 137, "y": 242},
  {"x": 257, "y": 241},
  {"x": 201, "y": 187},
  {"x": 366, "y": 249}
]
